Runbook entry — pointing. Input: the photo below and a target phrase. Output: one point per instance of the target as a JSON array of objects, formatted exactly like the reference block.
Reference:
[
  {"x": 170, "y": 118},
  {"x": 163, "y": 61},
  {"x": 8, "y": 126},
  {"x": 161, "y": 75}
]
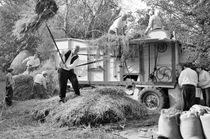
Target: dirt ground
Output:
[{"x": 16, "y": 123}]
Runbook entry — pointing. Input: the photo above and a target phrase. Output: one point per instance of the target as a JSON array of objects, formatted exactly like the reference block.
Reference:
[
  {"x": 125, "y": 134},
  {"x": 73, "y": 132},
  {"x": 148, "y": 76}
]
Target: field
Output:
[{"x": 17, "y": 123}]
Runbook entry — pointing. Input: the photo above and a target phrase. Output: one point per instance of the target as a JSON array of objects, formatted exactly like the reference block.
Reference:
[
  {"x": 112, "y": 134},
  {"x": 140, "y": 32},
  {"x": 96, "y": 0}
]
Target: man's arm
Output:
[
  {"x": 25, "y": 60},
  {"x": 149, "y": 25},
  {"x": 44, "y": 83},
  {"x": 36, "y": 63},
  {"x": 180, "y": 79}
]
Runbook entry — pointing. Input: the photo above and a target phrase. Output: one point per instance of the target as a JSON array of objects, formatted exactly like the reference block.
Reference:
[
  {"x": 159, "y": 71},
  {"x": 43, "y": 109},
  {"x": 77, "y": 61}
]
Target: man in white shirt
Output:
[
  {"x": 32, "y": 62},
  {"x": 204, "y": 84},
  {"x": 119, "y": 25},
  {"x": 40, "y": 86},
  {"x": 66, "y": 72},
  {"x": 188, "y": 80}
]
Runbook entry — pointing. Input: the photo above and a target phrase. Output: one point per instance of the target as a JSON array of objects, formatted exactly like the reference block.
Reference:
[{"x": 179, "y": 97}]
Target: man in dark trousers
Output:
[
  {"x": 188, "y": 80},
  {"x": 204, "y": 83},
  {"x": 9, "y": 87},
  {"x": 66, "y": 71}
]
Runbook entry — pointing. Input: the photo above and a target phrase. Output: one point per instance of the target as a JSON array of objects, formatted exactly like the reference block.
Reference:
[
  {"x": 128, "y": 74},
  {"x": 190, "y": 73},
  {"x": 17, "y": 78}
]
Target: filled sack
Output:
[
  {"x": 168, "y": 124},
  {"x": 190, "y": 126}
]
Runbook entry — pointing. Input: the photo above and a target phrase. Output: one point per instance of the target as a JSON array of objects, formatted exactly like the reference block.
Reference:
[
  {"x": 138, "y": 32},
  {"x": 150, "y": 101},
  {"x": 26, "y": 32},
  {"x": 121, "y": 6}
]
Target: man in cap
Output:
[
  {"x": 9, "y": 86},
  {"x": 40, "y": 86},
  {"x": 32, "y": 62}
]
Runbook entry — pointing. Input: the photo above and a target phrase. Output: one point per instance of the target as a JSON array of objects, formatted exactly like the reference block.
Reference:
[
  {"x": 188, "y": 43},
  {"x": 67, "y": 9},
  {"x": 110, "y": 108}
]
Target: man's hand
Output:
[
  {"x": 146, "y": 32},
  {"x": 62, "y": 65}
]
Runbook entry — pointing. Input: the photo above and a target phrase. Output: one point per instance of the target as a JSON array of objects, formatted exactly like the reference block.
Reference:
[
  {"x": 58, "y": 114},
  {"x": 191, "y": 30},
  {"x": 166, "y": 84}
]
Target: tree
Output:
[
  {"x": 88, "y": 18},
  {"x": 82, "y": 19},
  {"x": 9, "y": 13},
  {"x": 190, "y": 19}
]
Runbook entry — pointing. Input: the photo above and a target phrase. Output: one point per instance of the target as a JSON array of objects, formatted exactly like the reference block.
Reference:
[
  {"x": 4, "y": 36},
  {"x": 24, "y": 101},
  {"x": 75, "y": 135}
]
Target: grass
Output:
[{"x": 46, "y": 132}]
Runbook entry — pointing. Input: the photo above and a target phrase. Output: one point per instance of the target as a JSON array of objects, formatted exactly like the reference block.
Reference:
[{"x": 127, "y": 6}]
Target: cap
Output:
[
  {"x": 44, "y": 72},
  {"x": 9, "y": 70}
]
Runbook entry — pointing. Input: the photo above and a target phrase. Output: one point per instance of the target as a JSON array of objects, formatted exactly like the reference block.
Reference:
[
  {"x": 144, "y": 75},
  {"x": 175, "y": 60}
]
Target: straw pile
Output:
[
  {"x": 31, "y": 22},
  {"x": 98, "y": 107},
  {"x": 23, "y": 87},
  {"x": 44, "y": 9},
  {"x": 17, "y": 123}
]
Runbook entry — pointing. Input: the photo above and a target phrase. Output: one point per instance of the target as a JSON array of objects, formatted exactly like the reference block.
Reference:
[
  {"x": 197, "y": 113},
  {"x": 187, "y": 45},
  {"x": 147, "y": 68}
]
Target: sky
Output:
[{"x": 132, "y": 5}]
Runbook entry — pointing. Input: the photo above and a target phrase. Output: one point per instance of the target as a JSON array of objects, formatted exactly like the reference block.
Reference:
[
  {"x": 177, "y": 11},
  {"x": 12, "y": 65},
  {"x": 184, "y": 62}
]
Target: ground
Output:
[{"x": 16, "y": 123}]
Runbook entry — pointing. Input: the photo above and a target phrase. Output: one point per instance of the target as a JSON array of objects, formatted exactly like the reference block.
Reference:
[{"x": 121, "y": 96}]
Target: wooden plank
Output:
[
  {"x": 123, "y": 83},
  {"x": 173, "y": 61},
  {"x": 141, "y": 63}
]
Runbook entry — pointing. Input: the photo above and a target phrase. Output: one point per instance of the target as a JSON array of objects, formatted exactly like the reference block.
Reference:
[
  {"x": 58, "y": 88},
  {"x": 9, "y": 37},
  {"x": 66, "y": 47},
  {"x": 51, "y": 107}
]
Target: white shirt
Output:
[
  {"x": 204, "y": 79},
  {"x": 188, "y": 76},
  {"x": 32, "y": 61},
  {"x": 154, "y": 23},
  {"x": 68, "y": 65},
  {"x": 118, "y": 24},
  {"x": 40, "y": 79}
]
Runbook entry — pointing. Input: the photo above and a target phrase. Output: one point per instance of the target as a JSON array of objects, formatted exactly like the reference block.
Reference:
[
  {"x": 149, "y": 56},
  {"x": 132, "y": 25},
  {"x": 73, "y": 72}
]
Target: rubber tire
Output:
[{"x": 152, "y": 91}]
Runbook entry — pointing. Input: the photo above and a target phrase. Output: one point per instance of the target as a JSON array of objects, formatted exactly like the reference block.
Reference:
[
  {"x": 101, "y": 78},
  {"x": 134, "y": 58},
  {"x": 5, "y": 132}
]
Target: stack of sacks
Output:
[{"x": 192, "y": 124}]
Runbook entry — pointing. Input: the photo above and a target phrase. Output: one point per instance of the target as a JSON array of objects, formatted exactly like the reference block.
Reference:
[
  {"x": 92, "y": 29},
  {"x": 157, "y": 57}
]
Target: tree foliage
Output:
[
  {"x": 190, "y": 19},
  {"x": 90, "y": 19},
  {"x": 9, "y": 13}
]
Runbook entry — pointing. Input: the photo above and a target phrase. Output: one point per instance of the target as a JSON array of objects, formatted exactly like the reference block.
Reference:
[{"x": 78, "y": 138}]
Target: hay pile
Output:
[
  {"x": 98, "y": 107},
  {"x": 23, "y": 87},
  {"x": 44, "y": 10}
]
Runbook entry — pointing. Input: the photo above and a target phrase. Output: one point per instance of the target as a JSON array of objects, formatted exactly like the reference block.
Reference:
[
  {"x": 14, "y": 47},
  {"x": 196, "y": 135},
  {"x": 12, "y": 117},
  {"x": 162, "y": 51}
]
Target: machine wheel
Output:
[{"x": 152, "y": 98}]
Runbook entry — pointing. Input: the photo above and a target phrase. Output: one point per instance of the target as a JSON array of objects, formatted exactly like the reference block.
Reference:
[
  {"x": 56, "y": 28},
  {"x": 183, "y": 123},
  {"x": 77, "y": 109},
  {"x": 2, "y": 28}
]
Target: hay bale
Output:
[
  {"x": 106, "y": 105},
  {"x": 23, "y": 87},
  {"x": 17, "y": 62}
]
